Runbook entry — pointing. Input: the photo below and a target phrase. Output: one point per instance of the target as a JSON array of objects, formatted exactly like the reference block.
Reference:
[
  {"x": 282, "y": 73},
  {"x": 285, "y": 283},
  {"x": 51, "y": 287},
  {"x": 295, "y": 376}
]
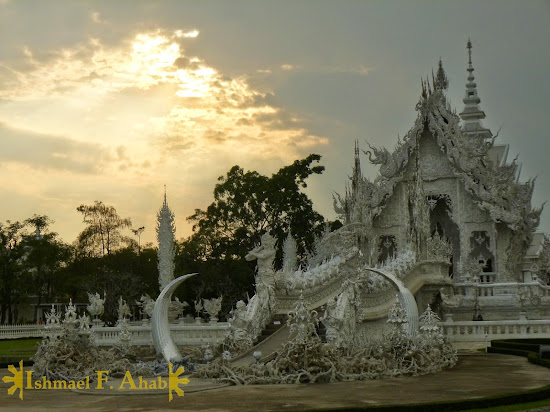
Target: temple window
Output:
[
  {"x": 387, "y": 248},
  {"x": 480, "y": 250}
]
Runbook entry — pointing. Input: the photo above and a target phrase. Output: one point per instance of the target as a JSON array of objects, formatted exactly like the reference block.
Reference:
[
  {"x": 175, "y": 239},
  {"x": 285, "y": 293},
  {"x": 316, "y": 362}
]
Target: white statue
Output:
[
  {"x": 175, "y": 308},
  {"x": 52, "y": 319},
  {"x": 452, "y": 300},
  {"x": 238, "y": 318},
  {"x": 429, "y": 322},
  {"x": 96, "y": 306},
  {"x": 53, "y": 325},
  {"x": 146, "y": 303},
  {"x": 123, "y": 310},
  {"x": 248, "y": 323},
  {"x": 290, "y": 254},
  {"x": 213, "y": 307},
  {"x": 71, "y": 317},
  {"x": 124, "y": 337},
  {"x": 84, "y": 324},
  {"x": 265, "y": 254}
]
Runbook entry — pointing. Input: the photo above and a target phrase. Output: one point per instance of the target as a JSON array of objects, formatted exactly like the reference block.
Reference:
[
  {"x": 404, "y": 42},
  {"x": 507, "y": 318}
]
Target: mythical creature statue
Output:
[
  {"x": 175, "y": 309},
  {"x": 96, "y": 306},
  {"x": 146, "y": 303},
  {"x": 213, "y": 307},
  {"x": 390, "y": 165},
  {"x": 123, "y": 310},
  {"x": 452, "y": 300}
]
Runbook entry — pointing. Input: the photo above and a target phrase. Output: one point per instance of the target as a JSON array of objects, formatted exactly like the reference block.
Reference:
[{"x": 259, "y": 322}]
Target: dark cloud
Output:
[
  {"x": 42, "y": 151},
  {"x": 280, "y": 120}
]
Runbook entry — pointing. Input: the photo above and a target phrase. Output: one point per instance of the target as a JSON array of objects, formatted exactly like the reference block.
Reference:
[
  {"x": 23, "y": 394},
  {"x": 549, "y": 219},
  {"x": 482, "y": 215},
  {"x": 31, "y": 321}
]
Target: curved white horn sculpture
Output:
[
  {"x": 406, "y": 298},
  {"x": 159, "y": 322}
]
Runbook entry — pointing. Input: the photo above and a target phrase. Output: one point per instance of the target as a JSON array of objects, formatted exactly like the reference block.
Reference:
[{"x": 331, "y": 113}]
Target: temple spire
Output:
[
  {"x": 356, "y": 167},
  {"x": 441, "y": 82},
  {"x": 166, "y": 235},
  {"x": 472, "y": 114}
]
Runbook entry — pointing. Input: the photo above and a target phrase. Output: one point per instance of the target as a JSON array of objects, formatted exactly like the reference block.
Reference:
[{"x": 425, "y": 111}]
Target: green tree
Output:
[
  {"x": 103, "y": 233},
  {"x": 246, "y": 205},
  {"x": 11, "y": 284},
  {"x": 44, "y": 259}
]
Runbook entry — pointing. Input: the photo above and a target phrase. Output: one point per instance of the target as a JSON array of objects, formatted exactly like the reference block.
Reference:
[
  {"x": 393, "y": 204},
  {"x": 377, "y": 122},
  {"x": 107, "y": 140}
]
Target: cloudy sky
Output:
[{"x": 104, "y": 100}]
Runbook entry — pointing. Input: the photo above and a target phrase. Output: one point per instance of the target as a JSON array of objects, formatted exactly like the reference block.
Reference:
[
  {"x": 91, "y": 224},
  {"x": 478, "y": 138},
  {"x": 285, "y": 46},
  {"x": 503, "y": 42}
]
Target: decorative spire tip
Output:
[{"x": 441, "y": 81}]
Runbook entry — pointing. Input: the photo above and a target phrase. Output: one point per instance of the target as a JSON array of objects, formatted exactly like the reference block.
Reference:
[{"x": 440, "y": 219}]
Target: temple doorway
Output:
[{"x": 442, "y": 225}]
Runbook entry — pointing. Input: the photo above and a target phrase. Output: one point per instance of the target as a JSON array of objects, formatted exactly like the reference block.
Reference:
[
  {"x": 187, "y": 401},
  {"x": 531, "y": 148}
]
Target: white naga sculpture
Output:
[
  {"x": 247, "y": 322},
  {"x": 160, "y": 330}
]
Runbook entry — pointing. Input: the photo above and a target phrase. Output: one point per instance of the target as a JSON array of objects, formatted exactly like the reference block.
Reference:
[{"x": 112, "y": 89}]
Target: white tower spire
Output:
[
  {"x": 166, "y": 232},
  {"x": 472, "y": 114}
]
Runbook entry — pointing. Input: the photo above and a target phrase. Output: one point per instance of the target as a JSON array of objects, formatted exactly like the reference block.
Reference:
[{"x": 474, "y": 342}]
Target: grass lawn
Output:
[{"x": 17, "y": 349}]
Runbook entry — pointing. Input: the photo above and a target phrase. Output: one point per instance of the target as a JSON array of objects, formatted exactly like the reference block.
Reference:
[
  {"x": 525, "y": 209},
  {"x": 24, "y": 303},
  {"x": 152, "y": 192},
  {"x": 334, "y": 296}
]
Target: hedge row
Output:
[
  {"x": 507, "y": 351},
  {"x": 6, "y": 362},
  {"x": 534, "y": 358},
  {"x": 539, "y": 341},
  {"x": 524, "y": 346}
]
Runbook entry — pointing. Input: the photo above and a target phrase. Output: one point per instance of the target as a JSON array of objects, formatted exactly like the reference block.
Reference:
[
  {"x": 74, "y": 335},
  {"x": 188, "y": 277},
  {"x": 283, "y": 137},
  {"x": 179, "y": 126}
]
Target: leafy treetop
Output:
[{"x": 248, "y": 204}]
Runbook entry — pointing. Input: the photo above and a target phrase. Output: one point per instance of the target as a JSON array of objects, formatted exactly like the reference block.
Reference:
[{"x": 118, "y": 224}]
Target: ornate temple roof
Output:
[{"x": 476, "y": 161}]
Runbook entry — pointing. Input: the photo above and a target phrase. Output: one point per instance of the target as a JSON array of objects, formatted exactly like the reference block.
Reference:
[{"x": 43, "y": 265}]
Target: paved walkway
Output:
[{"x": 474, "y": 376}]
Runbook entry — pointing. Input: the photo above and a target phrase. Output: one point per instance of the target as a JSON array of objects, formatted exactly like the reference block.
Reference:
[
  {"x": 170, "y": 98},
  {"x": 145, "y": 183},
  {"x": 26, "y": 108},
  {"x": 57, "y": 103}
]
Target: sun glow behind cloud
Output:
[{"x": 146, "y": 114}]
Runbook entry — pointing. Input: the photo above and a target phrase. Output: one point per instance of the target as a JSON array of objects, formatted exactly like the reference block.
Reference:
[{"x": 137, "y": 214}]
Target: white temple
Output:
[{"x": 447, "y": 216}]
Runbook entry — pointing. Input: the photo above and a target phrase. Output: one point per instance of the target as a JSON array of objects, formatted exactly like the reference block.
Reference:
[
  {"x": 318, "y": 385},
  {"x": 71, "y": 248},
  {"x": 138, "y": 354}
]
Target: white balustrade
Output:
[
  {"x": 183, "y": 334},
  {"x": 21, "y": 331},
  {"x": 480, "y": 331}
]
